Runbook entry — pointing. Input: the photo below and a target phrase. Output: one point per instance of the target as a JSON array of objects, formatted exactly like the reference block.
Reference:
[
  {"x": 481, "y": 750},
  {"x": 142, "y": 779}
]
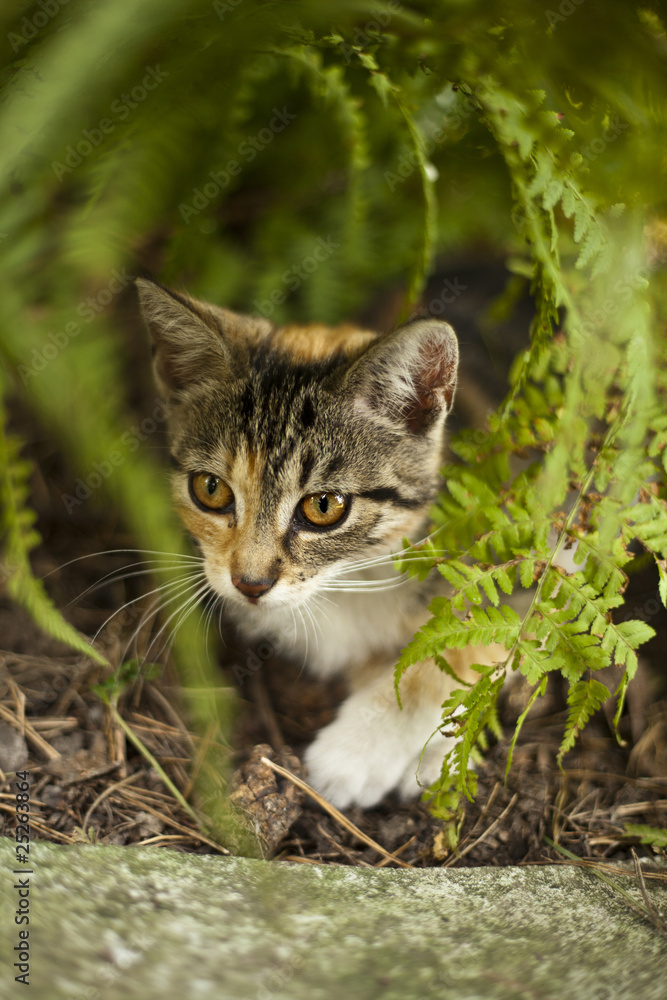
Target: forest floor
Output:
[{"x": 88, "y": 782}]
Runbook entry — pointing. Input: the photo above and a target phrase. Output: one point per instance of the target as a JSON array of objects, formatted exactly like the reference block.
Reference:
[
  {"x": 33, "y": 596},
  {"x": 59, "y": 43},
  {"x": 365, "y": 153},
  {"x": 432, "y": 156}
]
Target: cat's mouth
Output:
[{"x": 264, "y": 595}]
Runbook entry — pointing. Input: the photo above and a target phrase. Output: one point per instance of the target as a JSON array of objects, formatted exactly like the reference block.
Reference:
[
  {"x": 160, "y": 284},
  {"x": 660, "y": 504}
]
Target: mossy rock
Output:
[{"x": 138, "y": 923}]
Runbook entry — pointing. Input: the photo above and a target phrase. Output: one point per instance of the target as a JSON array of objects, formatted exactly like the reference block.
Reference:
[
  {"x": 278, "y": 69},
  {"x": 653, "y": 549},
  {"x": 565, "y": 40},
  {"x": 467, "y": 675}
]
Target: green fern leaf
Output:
[
  {"x": 19, "y": 537},
  {"x": 623, "y": 639},
  {"x": 552, "y": 194},
  {"x": 582, "y": 221},
  {"x": 539, "y": 691},
  {"x": 568, "y": 201},
  {"x": 650, "y": 835},
  {"x": 590, "y": 247},
  {"x": 584, "y": 698},
  {"x": 662, "y": 586}
]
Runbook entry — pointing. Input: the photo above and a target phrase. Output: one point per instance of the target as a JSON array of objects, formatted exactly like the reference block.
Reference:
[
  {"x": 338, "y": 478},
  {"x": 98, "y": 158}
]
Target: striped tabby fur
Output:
[{"x": 269, "y": 416}]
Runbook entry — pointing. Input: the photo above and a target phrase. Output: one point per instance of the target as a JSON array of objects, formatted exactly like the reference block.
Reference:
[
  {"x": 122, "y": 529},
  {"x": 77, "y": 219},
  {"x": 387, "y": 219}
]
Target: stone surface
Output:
[
  {"x": 13, "y": 749},
  {"x": 108, "y": 923}
]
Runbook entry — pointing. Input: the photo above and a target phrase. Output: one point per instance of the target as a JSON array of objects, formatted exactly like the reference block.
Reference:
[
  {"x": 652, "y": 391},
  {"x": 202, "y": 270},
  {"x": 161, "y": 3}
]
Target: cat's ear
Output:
[
  {"x": 408, "y": 376},
  {"x": 192, "y": 341}
]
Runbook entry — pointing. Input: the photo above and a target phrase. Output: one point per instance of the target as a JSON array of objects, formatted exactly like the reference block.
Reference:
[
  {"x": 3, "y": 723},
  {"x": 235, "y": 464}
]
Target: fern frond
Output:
[
  {"x": 584, "y": 698},
  {"x": 18, "y": 537},
  {"x": 483, "y": 626},
  {"x": 472, "y": 584},
  {"x": 651, "y": 835}
]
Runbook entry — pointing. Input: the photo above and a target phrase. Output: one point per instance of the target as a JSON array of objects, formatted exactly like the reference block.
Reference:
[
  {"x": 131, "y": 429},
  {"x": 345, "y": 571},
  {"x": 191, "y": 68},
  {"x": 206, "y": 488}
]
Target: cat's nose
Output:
[{"x": 253, "y": 589}]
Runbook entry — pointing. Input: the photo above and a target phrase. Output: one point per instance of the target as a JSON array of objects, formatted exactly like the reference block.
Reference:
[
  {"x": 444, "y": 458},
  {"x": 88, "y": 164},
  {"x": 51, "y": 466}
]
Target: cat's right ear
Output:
[
  {"x": 193, "y": 342},
  {"x": 185, "y": 348}
]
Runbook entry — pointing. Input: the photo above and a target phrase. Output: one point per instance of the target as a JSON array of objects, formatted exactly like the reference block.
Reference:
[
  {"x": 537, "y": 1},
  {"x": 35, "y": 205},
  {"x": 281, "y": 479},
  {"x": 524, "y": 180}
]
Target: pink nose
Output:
[{"x": 253, "y": 589}]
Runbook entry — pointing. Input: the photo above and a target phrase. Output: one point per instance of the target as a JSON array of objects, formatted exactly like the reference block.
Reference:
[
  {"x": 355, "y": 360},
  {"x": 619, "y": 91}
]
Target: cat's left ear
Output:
[{"x": 408, "y": 376}]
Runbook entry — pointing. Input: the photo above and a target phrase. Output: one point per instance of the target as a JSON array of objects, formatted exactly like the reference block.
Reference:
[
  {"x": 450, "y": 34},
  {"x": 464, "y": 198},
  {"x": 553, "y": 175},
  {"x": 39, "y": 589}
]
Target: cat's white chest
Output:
[{"x": 339, "y": 630}]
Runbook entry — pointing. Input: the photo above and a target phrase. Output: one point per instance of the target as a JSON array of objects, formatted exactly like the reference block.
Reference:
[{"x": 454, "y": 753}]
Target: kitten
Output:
[{"x": 303, "y": 456}]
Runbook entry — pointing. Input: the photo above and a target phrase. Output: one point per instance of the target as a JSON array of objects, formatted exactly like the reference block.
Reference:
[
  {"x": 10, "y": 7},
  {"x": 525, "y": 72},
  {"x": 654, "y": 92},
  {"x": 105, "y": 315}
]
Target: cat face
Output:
[{"x": 298, "y": 452}]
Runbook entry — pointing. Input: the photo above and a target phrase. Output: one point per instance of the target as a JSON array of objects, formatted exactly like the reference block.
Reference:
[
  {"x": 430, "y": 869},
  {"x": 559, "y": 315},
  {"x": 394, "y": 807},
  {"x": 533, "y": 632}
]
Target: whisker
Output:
[
  {"x": 316, "y": 625},
  {"x": 117, "y": 575},
  {"x": 221, "y": 605},
  {"x": 212, "y": 600},
  {"x": 305, "y": 632},
  {"x": 318, "y": 601},
  {"x": 319, "y": 596},
  {"x": 182, "y": 613},
  {"x": 294, "y": 626},
  {"x": 117, "y": 552},
  {"x": 358, "y": 577},
  {"x": 188, "y": 607},
  {"x": 165, "y": 587},
  {"x": 175, "y": 591},
  {"x": 365, "y": 586},
  {"x": 404, "y": 554}
]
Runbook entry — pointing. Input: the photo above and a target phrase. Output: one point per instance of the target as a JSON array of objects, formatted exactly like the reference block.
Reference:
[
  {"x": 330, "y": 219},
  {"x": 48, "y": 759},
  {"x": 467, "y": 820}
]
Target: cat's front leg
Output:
[{"x": 374, "y": 746}]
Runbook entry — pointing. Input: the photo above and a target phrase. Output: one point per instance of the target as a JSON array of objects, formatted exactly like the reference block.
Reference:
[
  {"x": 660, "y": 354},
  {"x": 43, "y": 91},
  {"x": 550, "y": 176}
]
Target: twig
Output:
[
  {"x": 266, "y": 713},
  {"x": 336, "y": 813},
  {"x": 169, "y": 710},
  {"x": 399, "y": 850},
  {"x": 163, "y": 838},
  {"x": 201, "y": 754},
  {"x": 483, "y": 836},
  {"x": 192, "y": 834},
  {"x": 98, "y": 772},
  {"x": 482, "y": 815},
  {"x": 297, "y": 860},
  {"x": 109, "y": 790},
  {"x": 143, "y": 749},
  {"x": 656, "y": 916},
  {"x": 27, "y": 730},
  {"x": 343, "y": 850},
  {"x": 576, "y": 862},
  {"x": 646, "y": 912},
  {"x": 48, "y": 831}
]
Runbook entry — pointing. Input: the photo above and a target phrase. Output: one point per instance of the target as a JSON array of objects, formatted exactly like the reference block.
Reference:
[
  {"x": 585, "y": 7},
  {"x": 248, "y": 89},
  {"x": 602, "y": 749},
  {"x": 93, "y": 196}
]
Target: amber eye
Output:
[
  {"x": 210, "y": 491},
  {"x": 323, "y": 509}
]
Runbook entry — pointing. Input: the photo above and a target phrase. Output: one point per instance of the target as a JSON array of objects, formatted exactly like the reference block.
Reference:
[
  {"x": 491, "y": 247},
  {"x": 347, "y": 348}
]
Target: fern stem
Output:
[{"x": 417, "y": 279}]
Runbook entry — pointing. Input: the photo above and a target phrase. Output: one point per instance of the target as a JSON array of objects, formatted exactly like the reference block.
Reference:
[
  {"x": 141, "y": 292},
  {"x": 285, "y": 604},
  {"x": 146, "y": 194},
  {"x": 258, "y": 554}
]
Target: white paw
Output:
[{"x": 372, "y": 748}]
